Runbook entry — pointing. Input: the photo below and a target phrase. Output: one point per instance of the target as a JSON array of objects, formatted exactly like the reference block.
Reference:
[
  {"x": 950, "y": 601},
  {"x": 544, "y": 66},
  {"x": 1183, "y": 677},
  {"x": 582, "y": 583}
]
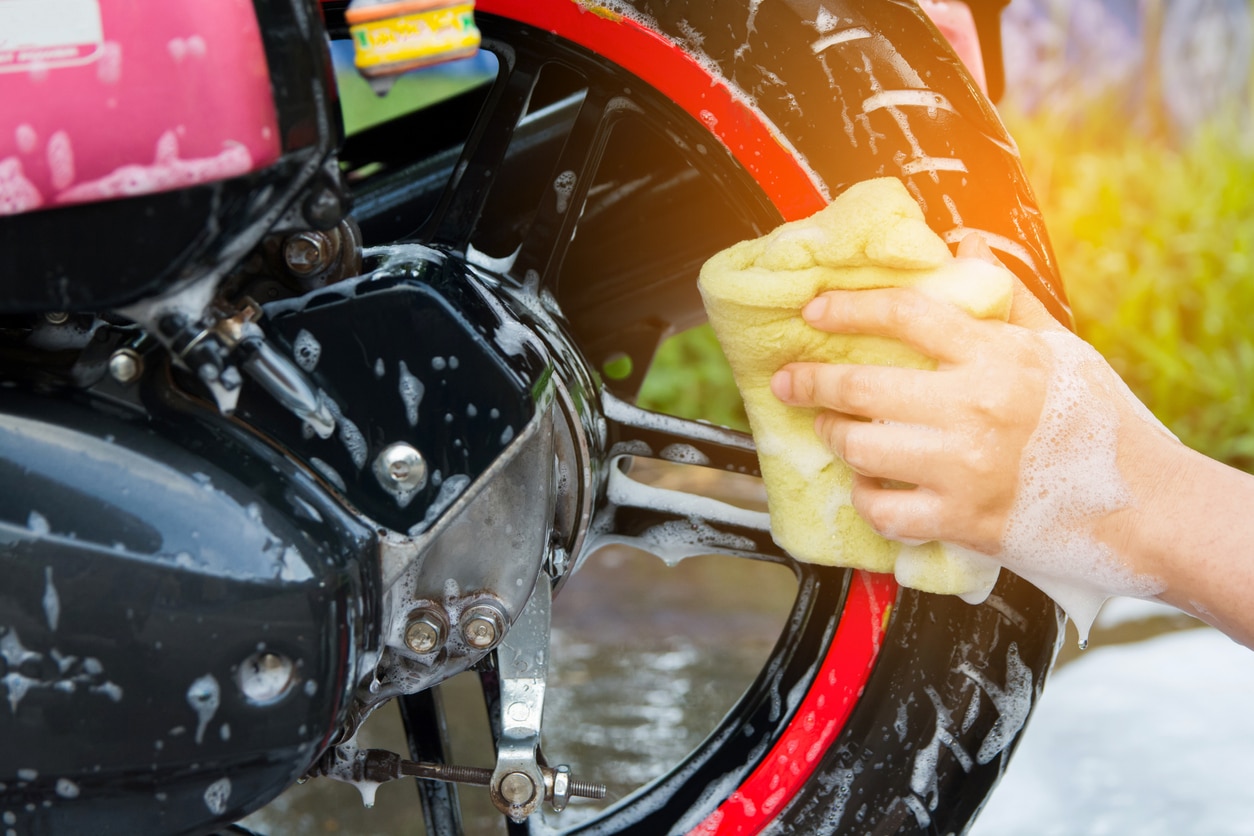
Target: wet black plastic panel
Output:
[{"x": 142, "y": 577}]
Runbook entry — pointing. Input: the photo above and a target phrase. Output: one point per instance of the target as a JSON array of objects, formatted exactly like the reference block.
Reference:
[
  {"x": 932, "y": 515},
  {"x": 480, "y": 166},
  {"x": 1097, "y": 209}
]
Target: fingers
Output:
[
  {"x": 899, "y": 452},
  {"x": 887, "y": 393},
  {"x": 910, "y": 515},
  {"x": 931, "y": 327}
]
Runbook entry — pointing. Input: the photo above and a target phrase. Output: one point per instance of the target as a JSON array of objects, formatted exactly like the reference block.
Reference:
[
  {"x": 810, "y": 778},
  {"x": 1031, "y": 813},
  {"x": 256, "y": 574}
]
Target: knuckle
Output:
[
  {"x": 977, "y": 461},
  {"x": 902, "y": 312},
  {"x": 879, "y": 515},
  {"x": 804, "y": 385},
  {"x": 991, "y": 401},
  {"x": 859, "y": 450},
  {"x": 858, "y": 390}
]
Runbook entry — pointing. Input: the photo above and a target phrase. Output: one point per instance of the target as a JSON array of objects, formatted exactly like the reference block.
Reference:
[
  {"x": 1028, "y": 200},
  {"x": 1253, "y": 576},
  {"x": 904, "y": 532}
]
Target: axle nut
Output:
[
  {"x": 517, "y": 789},
  {"x": 308, "y": 253}
]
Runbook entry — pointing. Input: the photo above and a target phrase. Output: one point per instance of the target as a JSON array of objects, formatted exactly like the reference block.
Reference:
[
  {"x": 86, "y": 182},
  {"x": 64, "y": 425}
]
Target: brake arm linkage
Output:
[
  {"x": 378, "y": 766},
  {"x": 519, "y": 782},
  {"x": 522, "y": 661}
]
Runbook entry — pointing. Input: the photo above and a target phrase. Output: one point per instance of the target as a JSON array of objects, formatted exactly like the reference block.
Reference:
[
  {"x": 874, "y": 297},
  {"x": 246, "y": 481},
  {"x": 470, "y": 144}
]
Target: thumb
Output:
[
  {"x": 973, "y": 245},
  {"x": 1026, "y": 310}
]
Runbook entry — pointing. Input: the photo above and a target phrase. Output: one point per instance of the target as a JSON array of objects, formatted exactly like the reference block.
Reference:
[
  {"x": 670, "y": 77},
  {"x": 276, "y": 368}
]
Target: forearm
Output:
[{"x": 1191, "y": 527}]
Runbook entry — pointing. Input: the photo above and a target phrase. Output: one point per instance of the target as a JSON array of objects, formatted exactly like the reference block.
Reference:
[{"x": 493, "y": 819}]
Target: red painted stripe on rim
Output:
[
  {"x": 746, "y": 133},
  {"x": 754, "y": 142},
  {"x": 820, "y": 717}
]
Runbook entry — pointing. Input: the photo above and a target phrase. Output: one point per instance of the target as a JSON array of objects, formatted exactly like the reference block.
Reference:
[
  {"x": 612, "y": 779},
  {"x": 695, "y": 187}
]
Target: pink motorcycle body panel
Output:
[{"x": 103, "y": 99}]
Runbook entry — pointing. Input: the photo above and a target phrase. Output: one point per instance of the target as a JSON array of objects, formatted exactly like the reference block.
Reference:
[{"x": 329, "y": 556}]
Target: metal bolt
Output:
[
  {"x": 482, "y": 626},
  {"x": 265, "y": 676},
  {"x": 517, "y": 788},
  {"x": 400, "y": 468},
  {"x": 558, "y": 561},
  {"x": 57, "y": 317},
  {"x": 126, "y": 366},
  {"x": 426, "y": 630},
  {"x": 324, "y": 208},
  {"x": 307, "y": 253}
]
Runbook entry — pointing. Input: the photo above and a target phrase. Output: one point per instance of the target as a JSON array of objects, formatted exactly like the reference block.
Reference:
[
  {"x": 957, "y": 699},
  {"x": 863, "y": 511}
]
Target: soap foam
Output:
[{"x": 1069, "y": 480}]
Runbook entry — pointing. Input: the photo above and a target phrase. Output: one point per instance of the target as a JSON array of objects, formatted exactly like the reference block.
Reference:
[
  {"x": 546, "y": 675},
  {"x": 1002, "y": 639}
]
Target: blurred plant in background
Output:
[
  {"x": 1156, "y": 245},
  {"x": 690, "y": 378},
  {"x": 1132, "y": 117}
]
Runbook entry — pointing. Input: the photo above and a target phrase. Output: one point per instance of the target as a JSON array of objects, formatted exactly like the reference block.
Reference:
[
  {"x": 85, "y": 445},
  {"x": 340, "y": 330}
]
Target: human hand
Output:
[
  {"x": 1009, "y": 447},
  {"x": 956, "y": 433}
]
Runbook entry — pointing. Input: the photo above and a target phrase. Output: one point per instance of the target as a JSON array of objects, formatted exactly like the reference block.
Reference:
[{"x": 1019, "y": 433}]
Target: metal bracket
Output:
[{"x": 518, "y": 784}]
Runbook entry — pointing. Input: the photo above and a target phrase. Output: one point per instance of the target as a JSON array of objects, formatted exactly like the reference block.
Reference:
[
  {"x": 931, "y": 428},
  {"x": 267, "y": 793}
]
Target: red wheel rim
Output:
[{"x": 796, "y": 192}]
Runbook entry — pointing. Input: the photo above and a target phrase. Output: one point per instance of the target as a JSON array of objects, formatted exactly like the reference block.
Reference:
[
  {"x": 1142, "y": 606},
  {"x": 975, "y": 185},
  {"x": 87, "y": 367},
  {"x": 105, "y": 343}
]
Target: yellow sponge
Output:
[{"x": 873, "y": 235}]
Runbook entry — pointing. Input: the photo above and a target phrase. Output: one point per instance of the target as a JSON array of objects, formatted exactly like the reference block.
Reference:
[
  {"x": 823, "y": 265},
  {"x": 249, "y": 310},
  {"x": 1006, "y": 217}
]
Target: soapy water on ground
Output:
[{"x": 1151, "y": 737}]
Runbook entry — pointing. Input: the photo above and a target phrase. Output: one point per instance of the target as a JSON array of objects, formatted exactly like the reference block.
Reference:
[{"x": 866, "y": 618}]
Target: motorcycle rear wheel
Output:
[{"x": 901, "y": 709}]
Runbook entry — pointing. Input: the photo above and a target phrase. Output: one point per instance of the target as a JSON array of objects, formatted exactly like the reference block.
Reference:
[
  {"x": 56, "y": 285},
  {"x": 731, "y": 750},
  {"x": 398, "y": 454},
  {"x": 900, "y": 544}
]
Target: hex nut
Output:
[
  {"x": 126, "y": 366},
  {"x": 482, "y": 626},
  {"x": 561, "y": 787},
  {"x": 308, "y": 253},
  {"x": 426, "y": 630}
]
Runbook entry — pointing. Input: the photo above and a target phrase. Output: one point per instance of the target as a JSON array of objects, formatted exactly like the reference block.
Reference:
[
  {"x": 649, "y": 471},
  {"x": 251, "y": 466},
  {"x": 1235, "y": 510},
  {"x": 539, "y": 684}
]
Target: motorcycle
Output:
[{"x": 297, "y": 425}]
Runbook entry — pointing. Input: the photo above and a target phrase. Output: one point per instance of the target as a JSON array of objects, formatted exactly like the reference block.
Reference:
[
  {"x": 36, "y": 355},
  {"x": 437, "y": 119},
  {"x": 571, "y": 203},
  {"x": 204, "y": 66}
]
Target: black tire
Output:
[{"x": 841, "y": 93}]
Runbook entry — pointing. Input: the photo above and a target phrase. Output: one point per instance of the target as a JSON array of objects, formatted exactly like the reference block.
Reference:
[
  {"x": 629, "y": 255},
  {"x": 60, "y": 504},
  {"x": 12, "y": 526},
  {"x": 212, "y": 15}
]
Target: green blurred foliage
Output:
[
  {"x": 690, "y": 378},
  {"x": 1155, "y": 242}
]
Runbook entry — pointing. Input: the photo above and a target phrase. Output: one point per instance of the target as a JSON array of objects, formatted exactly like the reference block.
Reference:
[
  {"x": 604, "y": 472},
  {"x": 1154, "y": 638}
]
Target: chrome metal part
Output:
[
  {"x": 486, "y": 550},
  {"x": 346, "y": 763},
  {"x": 517, "y": 789},
  {"x": 560, "y": 789},
  {"x": 483, "y": 625},
  {"x": 523, "y": 667},
  {"x": 427, "y": 629},
  {"x": 126, "y": 366},
  {"x": 57, "y": 317},
  {"x": 265, "y": 677},
  {"x": 579, "y": 427},
  {"x": 279, "y": 376},
  {"x": 558, "y": 562},
  {"x": 401, "y": 471}
]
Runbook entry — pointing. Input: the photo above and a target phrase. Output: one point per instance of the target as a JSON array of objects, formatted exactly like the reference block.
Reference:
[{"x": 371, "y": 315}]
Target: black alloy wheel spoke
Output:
[{"x": 426, "y": 731}]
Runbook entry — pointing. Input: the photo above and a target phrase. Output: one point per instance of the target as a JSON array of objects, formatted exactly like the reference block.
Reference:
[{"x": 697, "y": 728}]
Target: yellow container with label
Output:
[{"x": 394, "y": 37}]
